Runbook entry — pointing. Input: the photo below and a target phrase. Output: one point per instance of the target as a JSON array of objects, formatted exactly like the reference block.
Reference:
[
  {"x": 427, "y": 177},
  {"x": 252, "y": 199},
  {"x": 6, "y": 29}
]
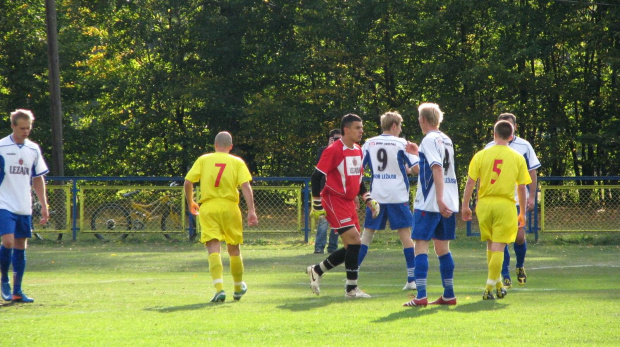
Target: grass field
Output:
[{"x": 147, "y": 291}]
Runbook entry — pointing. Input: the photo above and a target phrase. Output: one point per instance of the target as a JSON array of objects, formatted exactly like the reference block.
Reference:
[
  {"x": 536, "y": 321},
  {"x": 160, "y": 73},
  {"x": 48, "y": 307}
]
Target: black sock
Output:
[
  {"x": 333, "y": 260},
  {"x": 350, "y": 263}
]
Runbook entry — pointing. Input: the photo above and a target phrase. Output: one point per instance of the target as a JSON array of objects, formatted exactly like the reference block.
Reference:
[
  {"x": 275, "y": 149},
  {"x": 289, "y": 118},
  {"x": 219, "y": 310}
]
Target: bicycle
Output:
[{"x": 117, "y": 217}]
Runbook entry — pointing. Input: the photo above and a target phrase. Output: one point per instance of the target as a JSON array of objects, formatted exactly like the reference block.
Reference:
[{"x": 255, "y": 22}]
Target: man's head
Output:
[
  {"x": 430, "y": 113},
  {"x": 509, "y": 117},
  {"x": 21, "y": 123},
  {"x": 503, "y": 130},
  {"x": 389, "y": 119},
  {"x": 351, "y": 127},
  {"x": 334, "y": 135},
  {"x": 223, "y": 142}
]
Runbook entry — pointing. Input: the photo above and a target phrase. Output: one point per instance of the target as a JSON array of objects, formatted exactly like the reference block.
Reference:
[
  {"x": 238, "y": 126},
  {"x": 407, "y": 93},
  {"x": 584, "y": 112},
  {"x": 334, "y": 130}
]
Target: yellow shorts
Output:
[
  {"x": 497, "y": 219},
  {"x": 221, "y": 219}
]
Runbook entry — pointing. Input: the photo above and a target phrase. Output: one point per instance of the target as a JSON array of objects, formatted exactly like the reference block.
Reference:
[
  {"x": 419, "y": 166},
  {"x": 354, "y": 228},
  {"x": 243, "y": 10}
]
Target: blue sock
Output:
[
  {"x": 446, "y": 267},
  {"x": 420, "y": 272},
  {"x": 410, "y": 259},
  {"x": 506, "y": 264},
  {"x": 19, "y": 265},
  {"x": 362, "y": 254},
  {"x": 520, "y": 251},
  {"x": 5, "y": 262}
]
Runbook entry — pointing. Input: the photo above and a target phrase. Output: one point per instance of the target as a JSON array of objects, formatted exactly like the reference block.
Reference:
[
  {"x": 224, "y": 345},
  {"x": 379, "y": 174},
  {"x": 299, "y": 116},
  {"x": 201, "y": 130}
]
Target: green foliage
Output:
[{"x": 147, "y": 84}]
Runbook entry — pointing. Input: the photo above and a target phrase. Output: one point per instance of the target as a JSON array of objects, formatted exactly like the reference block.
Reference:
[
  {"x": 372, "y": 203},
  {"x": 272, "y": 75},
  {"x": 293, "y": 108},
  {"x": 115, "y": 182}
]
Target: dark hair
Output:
[
  {"x": 509, "y": 117},
  {"x": 503, "y": 129},
  {"x": 333, "y": 132},
  {"x": 347, "y": 120}
]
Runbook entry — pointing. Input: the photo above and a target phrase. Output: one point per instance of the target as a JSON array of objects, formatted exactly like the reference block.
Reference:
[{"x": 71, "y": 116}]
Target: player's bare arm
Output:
[
  {"x": 412, "y": 148},
  {"x": 521, "y": 196},
  {"x": 466, "y": 213},
  {"x": 38, "y": 183},
  {"x": 444, "y": 210},
  {"x": 248, "y": 195},
  {"x": 533, "y": 187},
  {"x": 188, "y": 186}
]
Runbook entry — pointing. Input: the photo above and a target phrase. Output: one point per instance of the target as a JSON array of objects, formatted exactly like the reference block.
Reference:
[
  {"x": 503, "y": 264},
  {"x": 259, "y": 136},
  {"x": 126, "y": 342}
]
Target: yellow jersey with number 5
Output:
[
  {"x": 499, "y": 168},
  {"x": 220, "y": 174}
]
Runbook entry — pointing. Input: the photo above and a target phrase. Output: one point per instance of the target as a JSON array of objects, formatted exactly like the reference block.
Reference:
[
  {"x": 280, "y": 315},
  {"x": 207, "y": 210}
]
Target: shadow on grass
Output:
[
  {"x": 170, "y": 309},
  {"x": 308, "y": 304},
  {"x": 409, "y": 312}
]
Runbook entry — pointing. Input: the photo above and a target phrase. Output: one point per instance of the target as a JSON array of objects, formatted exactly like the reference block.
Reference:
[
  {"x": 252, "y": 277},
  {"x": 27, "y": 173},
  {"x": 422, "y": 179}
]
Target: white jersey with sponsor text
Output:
[
  {"x": 388, "y": 161},
  {"x": 436, "y": 149},
  {"x": 18, "y": 164},
  {"x": 524, "y": 148}
]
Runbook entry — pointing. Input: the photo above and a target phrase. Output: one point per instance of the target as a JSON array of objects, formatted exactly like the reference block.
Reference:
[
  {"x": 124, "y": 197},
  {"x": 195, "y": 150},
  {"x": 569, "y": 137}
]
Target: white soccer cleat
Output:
[
  {"x": 410, "y": 286},
  {"x": 315, "y": 280},
  {"x": 356, "y": 293}
]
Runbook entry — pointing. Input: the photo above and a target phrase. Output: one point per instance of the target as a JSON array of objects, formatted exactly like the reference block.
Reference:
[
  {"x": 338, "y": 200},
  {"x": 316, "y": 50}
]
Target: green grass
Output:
[{"x": 147, "y": 291}]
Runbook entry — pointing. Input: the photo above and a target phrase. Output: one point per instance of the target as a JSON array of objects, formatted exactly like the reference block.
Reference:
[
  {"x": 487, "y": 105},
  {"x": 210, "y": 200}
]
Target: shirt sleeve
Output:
[
  {"x": 533, "y": 163},
  {"x": 524, "y": 175},
  {"x": 194, "y": 173},
  {"x": 474, "y": 167},
  {"x": 243, "y": 174},
  {"x": 326, "y": 161},
  {"x": 40, "y": 168},
  {"x": 432, "y": 151}
]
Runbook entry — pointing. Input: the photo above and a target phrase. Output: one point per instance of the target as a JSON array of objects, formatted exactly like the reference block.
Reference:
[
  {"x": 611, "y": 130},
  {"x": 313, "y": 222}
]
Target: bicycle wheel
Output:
[{"x": 111, "y": 218}]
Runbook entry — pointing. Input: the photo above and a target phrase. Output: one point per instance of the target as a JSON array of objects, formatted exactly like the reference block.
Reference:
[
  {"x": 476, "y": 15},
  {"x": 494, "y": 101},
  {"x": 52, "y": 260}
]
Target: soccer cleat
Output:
[
  {"x": 410, "y": 286},
  {"x": 237, "y": 295},
  {"x": 219, "y": 296},
  {"x": 21, "y": 297},
  {"x": 442, "y": 301},
  {"x": 416, "y": 303},
  {"x": 488, "y": 295},
  {"x": 356, "y": 293},
  {"x": 6, "y": 291},
  {"x": 501, "y": 292},
  {"x": 521, "y": 277},
  {"x": 315, "y": 280},
  {"x": 507, "y": 283}
]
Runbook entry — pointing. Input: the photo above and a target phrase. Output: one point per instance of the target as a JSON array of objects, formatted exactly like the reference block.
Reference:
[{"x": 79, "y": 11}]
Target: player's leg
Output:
[
  {"x": 425, "y": 224},
  {"x": 233, "y": 235},
  {"x": 371, "y": 225},
  {"x": 409, "y": 252},
  {"x": 23, "y": 231},
  {"x": 236, "y": 270},
  {"x": 496, "y": 250},
  {"x": 332, "y": 244},
  {"x": 506, "y": 268},
  {"x": 520, "y": 247},
  {"x": 216, "y": 269},
  {"x": 445, "y": 232},
  {"x": 321, "y": 235},
  {"x": 366, "y": 239},
  {"x": 352, "y": 241},
  {"x": 211, "y": 236},
  {"x": 7, "y": 235},
  {"x": 6, "y": 254}
]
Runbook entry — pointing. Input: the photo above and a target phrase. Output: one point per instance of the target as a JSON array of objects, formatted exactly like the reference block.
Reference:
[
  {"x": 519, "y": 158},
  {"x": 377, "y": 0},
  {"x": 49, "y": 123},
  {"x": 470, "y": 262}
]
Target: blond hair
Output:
[
  {"x": 21, "y": 113},
  {"x": 431, "y": 113},
  {"x": 390, "y": 118}
]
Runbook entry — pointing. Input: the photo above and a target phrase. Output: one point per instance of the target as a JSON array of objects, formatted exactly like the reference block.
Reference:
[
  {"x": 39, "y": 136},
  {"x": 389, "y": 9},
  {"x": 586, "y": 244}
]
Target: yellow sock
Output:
[
  {"x": 236, "y": 269},
  {"x": 488, "y": 257},
  {"x": 495, "y": 268},
  {"x": 217, "y": 270}
]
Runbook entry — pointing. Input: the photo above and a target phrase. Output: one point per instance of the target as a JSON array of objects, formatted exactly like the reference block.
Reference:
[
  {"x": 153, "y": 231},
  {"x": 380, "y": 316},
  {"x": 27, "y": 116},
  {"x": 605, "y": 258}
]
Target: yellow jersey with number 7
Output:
[
  {"x": 499, "y": 168},
  {"x": 220, "y": 174}
]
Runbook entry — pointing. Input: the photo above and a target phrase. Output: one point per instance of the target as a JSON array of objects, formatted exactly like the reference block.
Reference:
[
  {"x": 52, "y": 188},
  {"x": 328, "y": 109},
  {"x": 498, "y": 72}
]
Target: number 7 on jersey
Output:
[{"x": 219, "y": 174}]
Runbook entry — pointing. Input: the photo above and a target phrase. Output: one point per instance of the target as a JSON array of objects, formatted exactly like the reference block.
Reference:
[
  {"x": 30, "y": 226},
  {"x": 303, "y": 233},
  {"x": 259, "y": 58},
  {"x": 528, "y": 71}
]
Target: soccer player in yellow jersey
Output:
[
  {"x": 499, "y": 168},
  {"x": 219, "y": 174}
]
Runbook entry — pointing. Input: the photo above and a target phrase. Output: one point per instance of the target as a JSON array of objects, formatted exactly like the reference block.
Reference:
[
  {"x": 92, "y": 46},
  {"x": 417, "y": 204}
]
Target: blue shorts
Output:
[
  {"x": 399, "y": 215},
  {"x": 431, "y": 225},
  {"x": 17, "y": 224}
]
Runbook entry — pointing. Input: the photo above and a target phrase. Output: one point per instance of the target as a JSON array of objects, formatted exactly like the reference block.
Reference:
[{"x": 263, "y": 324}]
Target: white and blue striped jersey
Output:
[
  {"x": 524, "y": 148},
  {"x": 436, "y": 149},
  {"x": 388, "y": 161},
  {"x": 19, "y": 163}
]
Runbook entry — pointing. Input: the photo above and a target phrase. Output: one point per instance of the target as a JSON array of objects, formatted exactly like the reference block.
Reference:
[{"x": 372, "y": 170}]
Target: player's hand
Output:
[
  {"x": 317, "y": 208},
  {"x": 45, "y": 214},
  {"x": 252, "y": 219},
  {"x": 521, "y": 219},
  {"x": 530, "y": 204},
  {"x": 466, "y": 213},
  {"x": 194, "y": 208},
  {"x": 444, "y": 210},
  {"x": 411, "y": 148},
  {"x": 372, "y": 204}
]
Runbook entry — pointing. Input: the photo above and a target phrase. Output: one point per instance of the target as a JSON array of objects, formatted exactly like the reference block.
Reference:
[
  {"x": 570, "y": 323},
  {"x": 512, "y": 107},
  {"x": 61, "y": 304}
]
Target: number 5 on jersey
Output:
[
  {"x": 219, "y": 174},
  {"x": 496, "y": 168}
]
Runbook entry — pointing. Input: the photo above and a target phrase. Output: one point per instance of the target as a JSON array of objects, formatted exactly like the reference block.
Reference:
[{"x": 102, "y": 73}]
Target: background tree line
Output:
[{"x": 146, "y": 84}]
